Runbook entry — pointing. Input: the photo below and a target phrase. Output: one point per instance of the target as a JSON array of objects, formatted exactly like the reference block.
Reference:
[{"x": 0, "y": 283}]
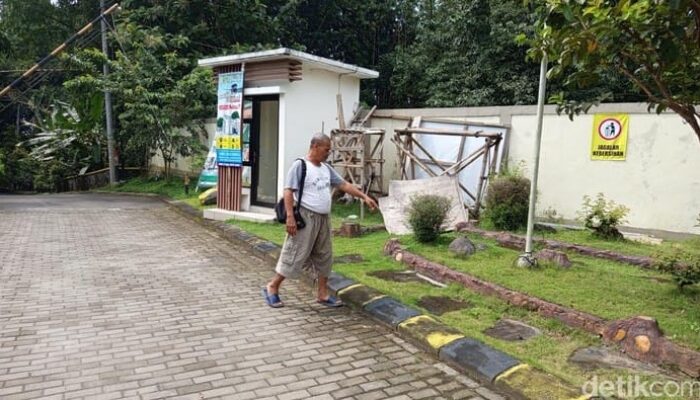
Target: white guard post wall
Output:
[
  {"x": 659, "y": 180},
  {"x": 304, "y": 109},
  {"x": 309, "y": 107}
]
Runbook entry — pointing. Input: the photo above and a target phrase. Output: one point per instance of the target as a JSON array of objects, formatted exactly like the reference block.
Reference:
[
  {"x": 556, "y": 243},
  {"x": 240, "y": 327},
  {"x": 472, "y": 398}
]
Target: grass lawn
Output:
[
  {"x": 172, "y": 188},
  {"x": 629, "y": 247},
  {"x": 604, "y": 288}
]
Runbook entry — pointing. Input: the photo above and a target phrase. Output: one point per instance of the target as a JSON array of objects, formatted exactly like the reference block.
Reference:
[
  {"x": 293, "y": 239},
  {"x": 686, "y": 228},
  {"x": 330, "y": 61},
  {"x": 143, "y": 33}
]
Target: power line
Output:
[{"x": 80, "y": 37}]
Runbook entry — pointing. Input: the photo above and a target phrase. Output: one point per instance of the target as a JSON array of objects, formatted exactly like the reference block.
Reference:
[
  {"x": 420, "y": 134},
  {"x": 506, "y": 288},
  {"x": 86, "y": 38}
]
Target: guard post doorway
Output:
[{"x": 260, "y": 146}]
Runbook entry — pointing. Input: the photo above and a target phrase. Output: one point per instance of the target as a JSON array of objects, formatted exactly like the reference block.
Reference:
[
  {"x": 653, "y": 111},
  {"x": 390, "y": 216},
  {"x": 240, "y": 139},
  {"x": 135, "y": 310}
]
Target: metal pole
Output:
[
  {"x": 527, "y": 259},
  {"x": 108, "y": 101}
]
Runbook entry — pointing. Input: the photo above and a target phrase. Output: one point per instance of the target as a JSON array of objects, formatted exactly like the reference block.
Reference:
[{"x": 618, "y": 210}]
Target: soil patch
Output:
[
  {"x": 348, "y": 259},
  {"x": 591, "y": 358},
  {"x": 512, "y": 331},
  {"x": 439, "y": 305},
  {"x": 397, "y": 276}
]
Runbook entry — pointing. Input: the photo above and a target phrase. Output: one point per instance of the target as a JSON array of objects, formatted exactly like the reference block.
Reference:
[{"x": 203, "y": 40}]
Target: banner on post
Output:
[
  {"x": 228, "y": 119},
  {"x": 609, "y": 138}
]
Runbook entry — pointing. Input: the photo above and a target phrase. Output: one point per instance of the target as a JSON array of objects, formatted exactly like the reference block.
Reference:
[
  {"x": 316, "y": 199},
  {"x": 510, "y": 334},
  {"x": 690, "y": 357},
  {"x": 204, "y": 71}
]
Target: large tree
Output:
[
  {"x": 654, "y": 44},
  {"x": 162, "y": 97},
  {"x": 357, "y": 32},
  {"x": 212, "y": 27},
  {"x": 465, "y": 54}
]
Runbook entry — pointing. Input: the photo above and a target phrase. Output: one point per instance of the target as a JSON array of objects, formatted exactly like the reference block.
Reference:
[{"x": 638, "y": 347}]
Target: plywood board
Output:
[{"x": 395, "y": 206}]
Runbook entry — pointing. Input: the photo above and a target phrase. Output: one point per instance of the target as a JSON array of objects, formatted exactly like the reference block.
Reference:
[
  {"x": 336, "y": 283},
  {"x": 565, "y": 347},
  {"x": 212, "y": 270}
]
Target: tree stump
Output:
[
  {"x": 556, "y": 257},
  {"x": 350, "y": 229},
  {"x": 641, "y": 338}
]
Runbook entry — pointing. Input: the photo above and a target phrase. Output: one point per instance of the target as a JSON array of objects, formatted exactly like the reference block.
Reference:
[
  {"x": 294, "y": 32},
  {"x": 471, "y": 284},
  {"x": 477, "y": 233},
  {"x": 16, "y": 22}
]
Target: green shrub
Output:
[
  {"x": 49, "y": 177},
  {"x": 426, "y": 213},
  {"x": 603, "y": 216},
  {"x": 684, "y": 266},
  {"x": 507, "y": 201}
]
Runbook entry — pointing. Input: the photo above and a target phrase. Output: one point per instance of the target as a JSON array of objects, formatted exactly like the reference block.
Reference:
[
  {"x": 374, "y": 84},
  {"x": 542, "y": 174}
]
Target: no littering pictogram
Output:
[{"x": 610, "y": 129}]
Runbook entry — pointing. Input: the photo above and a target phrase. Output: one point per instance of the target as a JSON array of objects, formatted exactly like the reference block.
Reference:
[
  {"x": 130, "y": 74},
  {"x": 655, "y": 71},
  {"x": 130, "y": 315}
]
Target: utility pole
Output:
[
  {"x": 108, "y": 101},
  {"x": 526, "y": 259}
]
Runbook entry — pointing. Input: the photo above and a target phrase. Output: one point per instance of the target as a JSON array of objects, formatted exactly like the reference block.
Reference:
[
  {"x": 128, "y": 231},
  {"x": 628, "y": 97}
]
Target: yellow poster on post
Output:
[{"x": 609, "y": 140}]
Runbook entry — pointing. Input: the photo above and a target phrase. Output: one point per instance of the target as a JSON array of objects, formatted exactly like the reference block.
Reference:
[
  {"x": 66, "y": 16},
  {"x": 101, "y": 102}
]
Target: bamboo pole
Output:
[{"x": 482, "y": 178}]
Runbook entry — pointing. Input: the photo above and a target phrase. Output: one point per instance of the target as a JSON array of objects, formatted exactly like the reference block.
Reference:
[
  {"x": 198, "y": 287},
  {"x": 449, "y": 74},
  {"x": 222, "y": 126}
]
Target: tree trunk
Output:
[
  {"x": 641, "y": 339},
  {"x": 695, "y": 124}
]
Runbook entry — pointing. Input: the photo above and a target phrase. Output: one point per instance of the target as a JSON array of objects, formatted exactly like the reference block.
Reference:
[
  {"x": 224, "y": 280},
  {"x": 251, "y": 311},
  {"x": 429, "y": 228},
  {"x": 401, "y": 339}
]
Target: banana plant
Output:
[{"x": 67, "y": 132}]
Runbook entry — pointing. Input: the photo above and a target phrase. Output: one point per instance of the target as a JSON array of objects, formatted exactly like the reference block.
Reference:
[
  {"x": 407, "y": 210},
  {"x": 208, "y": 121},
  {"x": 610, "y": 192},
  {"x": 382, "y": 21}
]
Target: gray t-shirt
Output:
[{"x": 317, "y": 185}]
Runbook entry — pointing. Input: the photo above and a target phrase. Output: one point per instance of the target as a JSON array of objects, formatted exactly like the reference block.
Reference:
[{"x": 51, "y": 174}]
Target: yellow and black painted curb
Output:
[{"x": 474, "y": 358}]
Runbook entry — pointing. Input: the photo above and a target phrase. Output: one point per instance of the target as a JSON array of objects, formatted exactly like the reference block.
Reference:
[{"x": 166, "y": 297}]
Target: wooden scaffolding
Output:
[
  {"x": 357, "y": 152},
  {"x": 408, "y": 142},
  {"x": 358, "y": 155}
]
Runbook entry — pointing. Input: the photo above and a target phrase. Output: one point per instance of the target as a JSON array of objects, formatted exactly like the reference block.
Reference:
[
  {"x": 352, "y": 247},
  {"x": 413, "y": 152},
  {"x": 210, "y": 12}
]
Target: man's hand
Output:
[
  {"x": 291, "y": 225},
  {"x": 353, "y": 191},
  {"x": 370, "y": 202}
]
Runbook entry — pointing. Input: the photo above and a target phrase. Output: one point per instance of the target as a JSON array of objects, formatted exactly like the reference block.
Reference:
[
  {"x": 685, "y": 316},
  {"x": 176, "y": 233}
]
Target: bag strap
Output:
[{"x": 301, "y": 183}]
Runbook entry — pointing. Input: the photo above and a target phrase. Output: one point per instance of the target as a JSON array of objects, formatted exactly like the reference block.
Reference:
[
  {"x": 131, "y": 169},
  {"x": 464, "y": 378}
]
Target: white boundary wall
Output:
[{"x": 659, "y": 181}]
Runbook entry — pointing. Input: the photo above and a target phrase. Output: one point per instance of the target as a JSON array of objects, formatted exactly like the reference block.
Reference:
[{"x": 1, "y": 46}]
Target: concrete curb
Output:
[{"x": 470, "y": 356}]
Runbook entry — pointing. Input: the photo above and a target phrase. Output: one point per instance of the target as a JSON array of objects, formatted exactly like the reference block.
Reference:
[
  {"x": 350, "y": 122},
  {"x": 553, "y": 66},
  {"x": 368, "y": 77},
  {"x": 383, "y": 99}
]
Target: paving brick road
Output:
[{"x": 111, "y": 297}]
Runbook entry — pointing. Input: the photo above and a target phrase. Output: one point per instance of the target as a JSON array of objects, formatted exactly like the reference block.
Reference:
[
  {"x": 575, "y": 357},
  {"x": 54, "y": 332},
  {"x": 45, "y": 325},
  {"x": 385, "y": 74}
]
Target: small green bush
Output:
[
  {"x": 507, "y": 201},
  {"x": 603, "y": 217},
  {"x": 683, "y": 266},
  {"x": 426, "y": 213}
]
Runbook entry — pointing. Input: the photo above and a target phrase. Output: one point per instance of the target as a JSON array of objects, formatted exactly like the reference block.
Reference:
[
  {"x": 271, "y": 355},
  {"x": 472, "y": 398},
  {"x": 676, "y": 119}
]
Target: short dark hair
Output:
[{"x": 319, "y": 138}]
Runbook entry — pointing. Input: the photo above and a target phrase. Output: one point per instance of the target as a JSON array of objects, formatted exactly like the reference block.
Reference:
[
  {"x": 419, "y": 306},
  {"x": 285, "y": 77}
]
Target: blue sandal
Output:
[
  {"x": 331, "y": 302},
  {"x": 272, "y": 300}
]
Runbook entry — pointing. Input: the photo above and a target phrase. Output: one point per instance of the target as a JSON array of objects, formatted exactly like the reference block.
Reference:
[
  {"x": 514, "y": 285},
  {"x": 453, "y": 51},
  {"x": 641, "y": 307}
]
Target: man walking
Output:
[{"x": 313, "y": 242}]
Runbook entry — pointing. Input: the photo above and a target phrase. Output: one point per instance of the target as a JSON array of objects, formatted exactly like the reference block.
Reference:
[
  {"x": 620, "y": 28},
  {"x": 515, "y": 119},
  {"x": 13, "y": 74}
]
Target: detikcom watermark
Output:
[{"x": 634, "y": 387}]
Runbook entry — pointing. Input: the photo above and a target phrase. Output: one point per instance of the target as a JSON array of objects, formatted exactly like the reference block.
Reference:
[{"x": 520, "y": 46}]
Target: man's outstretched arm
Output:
[{"x": 350, "y": 189}]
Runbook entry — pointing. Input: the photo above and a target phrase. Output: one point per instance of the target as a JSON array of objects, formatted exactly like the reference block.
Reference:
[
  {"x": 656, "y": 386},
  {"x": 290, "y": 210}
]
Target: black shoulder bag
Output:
[{"x": 281, "y": 211}]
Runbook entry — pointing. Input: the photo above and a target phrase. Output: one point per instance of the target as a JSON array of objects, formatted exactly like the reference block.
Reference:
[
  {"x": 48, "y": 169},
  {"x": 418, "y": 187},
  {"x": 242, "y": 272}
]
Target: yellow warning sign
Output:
[
  {"x": 228, "y": 142},
  {"x": 609, "y": 141}
]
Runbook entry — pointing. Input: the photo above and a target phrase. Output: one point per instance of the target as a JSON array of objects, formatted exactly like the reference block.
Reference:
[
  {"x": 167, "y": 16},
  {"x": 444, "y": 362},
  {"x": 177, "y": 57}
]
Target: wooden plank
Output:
[
  {"x": 494, "y": 162},
  {"x": 447, "y": 132},
  {"x": 461, "y": 164},
  {"x": 415, "y": 159},
  {"x": 415, "y": 122},
  {"x": 369, "y": 114},
  {"x": 341, "y": 117},
  {"x": 349, "y": 148},
  {"x": 483, "y": 177},
  {"x": 274, "y": 71},
  {"x": 280, "y": 78},
  {"x": 273, "y": 64},
  {"x": 361, "y": 131},
  {"x": 354, "y": 121},
  {"x": 260, "y": 77}
]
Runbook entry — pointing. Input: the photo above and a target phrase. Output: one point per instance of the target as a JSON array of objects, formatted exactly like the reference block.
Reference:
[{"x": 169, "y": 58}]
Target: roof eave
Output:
[{"x": 336, "y": 66}]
